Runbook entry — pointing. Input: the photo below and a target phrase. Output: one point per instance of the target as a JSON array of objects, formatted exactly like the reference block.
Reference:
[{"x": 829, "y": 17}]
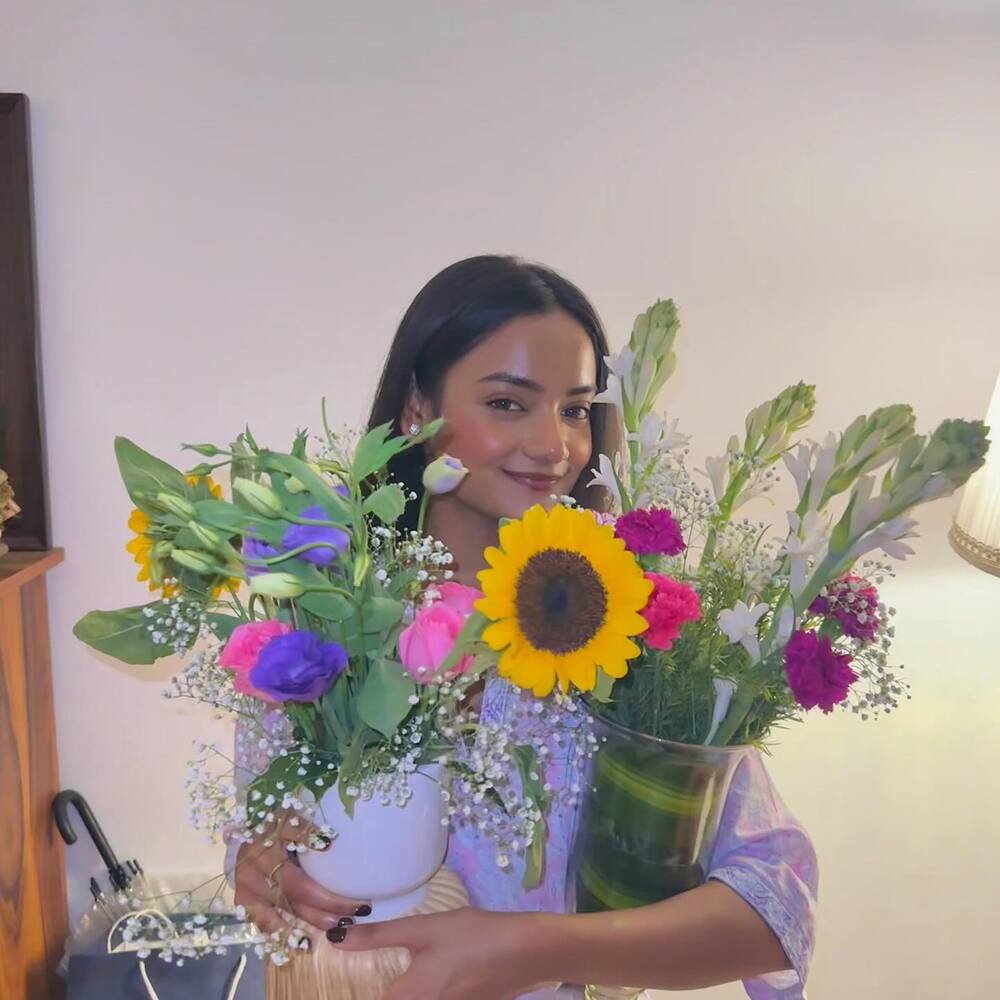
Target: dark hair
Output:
[{"x": 456, "y": 310}]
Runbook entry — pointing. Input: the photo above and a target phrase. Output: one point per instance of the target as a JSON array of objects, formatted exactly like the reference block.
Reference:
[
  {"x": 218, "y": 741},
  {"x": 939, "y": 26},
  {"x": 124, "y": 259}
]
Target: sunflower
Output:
[
  {"x": 141, "y": 546},
  {"x": 563, "y": 596}
]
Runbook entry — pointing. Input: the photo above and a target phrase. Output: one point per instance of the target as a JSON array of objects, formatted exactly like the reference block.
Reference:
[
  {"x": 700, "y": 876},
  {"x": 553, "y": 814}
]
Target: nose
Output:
[{"x": 546, "y": 440}]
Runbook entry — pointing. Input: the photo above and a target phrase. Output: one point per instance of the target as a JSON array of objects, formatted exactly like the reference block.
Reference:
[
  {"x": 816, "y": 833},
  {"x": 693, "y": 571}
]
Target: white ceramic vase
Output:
[{"x": 384, "y": 853}]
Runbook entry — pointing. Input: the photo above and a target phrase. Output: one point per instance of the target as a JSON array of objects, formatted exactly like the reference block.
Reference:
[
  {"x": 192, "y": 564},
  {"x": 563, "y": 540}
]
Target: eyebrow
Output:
[{"x": 527, "y": 383}]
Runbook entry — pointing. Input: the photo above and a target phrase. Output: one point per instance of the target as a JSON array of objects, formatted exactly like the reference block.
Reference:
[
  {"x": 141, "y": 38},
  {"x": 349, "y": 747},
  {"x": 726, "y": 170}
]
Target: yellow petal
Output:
[{"x": 500, "y": 634}]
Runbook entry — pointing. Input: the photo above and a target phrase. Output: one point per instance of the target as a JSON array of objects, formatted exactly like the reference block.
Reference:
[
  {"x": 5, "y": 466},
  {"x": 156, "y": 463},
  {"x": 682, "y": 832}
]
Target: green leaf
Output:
[
  {"x": 329, "y": 607},
  {"x": 387, "y": 503},
  {"x": 222, "y": 625},
  {"x": 361, "y": 566},
  {"x": 222, "y": 514},
  {"x": 374, "y": 451},
  {"x": 467, "y": 634},
  {"x": 123, "y": 634},
  {"x": 384, "y": 700},
  {"x": 146, "y": 475},
  {"x": 380, "y": 613},
  {"x": 603, "y": 687},
  {"x": 531, "y": 788},
  {"x": 349, "y": 766}
]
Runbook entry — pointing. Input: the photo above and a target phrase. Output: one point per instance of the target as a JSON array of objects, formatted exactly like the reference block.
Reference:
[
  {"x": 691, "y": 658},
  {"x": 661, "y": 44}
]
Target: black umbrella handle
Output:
[{"x": 60, "y": 812}]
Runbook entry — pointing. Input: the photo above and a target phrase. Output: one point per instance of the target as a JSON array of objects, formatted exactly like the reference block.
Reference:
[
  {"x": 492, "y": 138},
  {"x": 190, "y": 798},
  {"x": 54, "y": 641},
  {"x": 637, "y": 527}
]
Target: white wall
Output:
[{"x": 236, "y": 201}]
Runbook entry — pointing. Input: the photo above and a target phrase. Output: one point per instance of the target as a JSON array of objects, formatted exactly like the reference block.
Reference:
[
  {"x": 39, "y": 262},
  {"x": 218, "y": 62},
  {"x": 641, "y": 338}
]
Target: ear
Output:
[{"x": 416, "y": 410}]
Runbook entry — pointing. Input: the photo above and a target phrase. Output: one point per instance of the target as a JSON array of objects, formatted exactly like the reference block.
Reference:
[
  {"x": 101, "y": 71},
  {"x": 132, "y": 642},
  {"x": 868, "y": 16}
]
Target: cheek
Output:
[
  {"x": 580, "y": 448},
  {"x": 478, "y": 441}
]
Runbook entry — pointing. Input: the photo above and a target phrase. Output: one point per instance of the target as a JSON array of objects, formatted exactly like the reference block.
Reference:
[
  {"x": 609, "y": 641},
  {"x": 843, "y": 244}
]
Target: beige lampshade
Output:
[{"x": 975, "y": 535}]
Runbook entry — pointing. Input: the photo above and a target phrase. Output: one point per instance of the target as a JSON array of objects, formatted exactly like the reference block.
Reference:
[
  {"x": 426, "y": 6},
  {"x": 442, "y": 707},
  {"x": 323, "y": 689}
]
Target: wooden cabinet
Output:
[{"x": 32, "y": 881}]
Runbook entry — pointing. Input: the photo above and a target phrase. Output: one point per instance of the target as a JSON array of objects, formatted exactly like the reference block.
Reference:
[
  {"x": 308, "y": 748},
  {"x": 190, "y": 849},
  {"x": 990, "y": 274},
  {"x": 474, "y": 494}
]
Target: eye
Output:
[
  {"x": 505, "y": 405},
  {"x": 578, "y": 412}
]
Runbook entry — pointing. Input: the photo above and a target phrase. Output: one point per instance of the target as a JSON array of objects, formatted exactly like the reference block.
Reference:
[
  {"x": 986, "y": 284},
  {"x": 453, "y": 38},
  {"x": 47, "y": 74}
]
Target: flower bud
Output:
[
  {"x": 210, "y": 539},
  {"x": 443, "y": 475},
  {"x": 259, "y": 498},
  {"x": 276, "y": 585},
  {"x": 209, "y": 450},
  {"x": 195, "y": 561},
  {"x": 176, "y": 505}
]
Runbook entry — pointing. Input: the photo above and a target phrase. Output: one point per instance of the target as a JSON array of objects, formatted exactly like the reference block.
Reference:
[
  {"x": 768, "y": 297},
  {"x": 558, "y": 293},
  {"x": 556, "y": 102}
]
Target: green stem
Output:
[{"x": 424, "y": 501}]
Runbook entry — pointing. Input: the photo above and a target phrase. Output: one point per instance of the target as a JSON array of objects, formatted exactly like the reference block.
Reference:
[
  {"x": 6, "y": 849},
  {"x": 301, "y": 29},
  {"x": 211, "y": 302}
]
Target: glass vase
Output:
[{"x": 647, "y": 825}]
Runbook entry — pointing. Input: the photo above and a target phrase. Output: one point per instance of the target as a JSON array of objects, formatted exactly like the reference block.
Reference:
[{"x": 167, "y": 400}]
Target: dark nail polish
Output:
[
  {"x": 364, "y": 910},
  {"x": 336, "y": 934},
  {"x": 345, "y": 921}
]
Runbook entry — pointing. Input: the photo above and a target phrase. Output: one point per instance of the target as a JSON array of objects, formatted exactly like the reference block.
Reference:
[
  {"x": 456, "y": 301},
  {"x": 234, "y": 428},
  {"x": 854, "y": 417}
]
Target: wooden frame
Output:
[{"x": 21, "y": 450}]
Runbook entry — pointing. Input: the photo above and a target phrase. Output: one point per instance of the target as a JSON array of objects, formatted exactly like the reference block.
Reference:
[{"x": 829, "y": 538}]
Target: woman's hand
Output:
[
  {"x": 269, "y": 884},
  {"x": 458, "y": 954}
]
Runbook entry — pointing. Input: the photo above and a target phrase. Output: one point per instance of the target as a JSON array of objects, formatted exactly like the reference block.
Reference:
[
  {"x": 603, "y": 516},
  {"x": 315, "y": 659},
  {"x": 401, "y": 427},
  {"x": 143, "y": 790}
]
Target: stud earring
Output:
[{"x": 414, "y": 429}]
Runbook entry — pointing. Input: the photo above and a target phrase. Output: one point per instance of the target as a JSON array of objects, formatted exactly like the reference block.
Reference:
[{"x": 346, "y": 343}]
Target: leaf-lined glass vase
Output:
[{"x": 648, "y": 823}]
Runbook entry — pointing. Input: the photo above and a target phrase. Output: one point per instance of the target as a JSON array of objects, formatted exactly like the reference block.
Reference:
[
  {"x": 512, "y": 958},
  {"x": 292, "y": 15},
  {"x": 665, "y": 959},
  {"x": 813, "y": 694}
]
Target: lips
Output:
[{"x": 533, "y": 481}]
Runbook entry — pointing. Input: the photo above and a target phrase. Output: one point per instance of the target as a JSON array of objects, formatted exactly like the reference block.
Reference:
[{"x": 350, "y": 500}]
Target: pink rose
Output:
[
  {"x": 458, "y": 597},
  {"x": 241, "y": 652},
  {"x": 424, "y": 645}
]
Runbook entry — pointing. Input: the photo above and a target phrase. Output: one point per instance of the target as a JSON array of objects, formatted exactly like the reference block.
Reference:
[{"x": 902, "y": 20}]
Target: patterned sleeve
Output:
[
  {"x": 765, "y": 855},
  {"x": 249, "y": 760}
]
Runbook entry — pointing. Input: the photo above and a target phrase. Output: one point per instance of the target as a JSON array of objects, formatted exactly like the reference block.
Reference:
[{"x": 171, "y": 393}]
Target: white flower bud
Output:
[
  {"x": 259, "y": 498},
  {"x": 443, "y": 475},
  {"x": 277, "y": 585}
]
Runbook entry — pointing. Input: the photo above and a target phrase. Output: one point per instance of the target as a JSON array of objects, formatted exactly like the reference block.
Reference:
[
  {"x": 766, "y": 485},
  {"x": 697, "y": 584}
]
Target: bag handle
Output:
[{"x": 234, "y": 983}]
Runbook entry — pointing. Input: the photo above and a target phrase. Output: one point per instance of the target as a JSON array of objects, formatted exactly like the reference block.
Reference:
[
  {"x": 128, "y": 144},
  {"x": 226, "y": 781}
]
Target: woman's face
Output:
[{"x": 517, "y": 412}]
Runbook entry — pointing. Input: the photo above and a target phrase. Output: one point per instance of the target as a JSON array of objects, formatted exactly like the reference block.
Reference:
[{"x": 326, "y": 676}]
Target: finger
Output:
[
  {"x": 253, "y": 886},
  {"x": 294, "y": 829},
  {"x": 404, "y": 932},
  {"x": 268, "y": 919},
  {"x": 320, "y": 920},
  {"x": 301, "y": 890}
]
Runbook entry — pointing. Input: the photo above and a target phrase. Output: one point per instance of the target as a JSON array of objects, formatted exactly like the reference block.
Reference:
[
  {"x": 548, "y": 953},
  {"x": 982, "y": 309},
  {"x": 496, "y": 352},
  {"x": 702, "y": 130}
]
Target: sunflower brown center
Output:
[{"x": 560, "y": 601}]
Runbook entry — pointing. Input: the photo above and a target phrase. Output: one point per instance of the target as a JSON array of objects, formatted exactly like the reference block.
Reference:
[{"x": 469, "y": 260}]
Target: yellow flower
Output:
[
  {"x": 563, "y": 595},
  {"x": 141, "y": 546}
]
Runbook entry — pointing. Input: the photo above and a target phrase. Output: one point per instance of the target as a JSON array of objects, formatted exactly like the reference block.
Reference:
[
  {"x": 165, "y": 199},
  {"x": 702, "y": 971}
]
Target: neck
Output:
[{"x": 464, "y": 532}]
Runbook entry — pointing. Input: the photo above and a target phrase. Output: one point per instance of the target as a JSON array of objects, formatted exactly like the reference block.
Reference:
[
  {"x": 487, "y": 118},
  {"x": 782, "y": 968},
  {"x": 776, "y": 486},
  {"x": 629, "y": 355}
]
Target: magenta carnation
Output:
[
  {"x": 650, "y": 532},
  {"x": 853, "y": 603},
  {"x": 818, "y": 676},
  {"x": 670, "y": 605}
]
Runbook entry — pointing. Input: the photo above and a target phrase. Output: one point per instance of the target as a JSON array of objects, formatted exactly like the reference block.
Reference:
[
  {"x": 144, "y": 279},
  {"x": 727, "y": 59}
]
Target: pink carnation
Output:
[
  {"x": 817, "y": 675},
  {"x": 424, "y": 645},
  {"x": 670, "y": 605},
  {"x": 650, "y": 532},
  {"x": 853, "y": 603},
  {"x": 242, "y": 649}
]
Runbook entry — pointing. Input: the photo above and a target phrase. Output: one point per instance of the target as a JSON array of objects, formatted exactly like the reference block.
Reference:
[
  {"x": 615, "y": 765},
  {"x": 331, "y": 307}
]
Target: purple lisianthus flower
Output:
[
  {"x": 298, "y": 666},
  {"x": 254, "y": 548},
  {"x": 305, "y": 534},
  {"x": 650, "y": 532}
]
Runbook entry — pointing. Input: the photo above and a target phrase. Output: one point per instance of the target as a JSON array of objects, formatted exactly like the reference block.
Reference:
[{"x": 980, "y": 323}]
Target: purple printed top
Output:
[{"x": 762, "y": 853}]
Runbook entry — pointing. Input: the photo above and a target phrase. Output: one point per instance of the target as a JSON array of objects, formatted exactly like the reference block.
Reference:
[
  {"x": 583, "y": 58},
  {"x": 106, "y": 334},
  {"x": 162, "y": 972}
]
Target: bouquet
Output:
[
  {"x": 342, "y": 646},
  {"x": 689, "y": 631},
  {"x": 742, "y": 624}
]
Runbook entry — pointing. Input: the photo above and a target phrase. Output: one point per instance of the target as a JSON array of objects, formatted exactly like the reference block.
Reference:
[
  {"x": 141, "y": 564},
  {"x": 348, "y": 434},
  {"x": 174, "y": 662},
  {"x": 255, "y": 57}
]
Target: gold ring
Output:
[{"x": 271, "y": 883}]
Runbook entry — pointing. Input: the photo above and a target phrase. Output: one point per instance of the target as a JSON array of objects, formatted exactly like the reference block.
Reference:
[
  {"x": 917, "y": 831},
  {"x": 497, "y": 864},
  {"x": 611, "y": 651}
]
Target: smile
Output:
[{"x": 533, "y": 481}]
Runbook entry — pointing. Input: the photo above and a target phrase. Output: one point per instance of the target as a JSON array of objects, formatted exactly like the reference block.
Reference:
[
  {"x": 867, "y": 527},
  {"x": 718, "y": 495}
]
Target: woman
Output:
[{"x": 511, "y": 354}]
